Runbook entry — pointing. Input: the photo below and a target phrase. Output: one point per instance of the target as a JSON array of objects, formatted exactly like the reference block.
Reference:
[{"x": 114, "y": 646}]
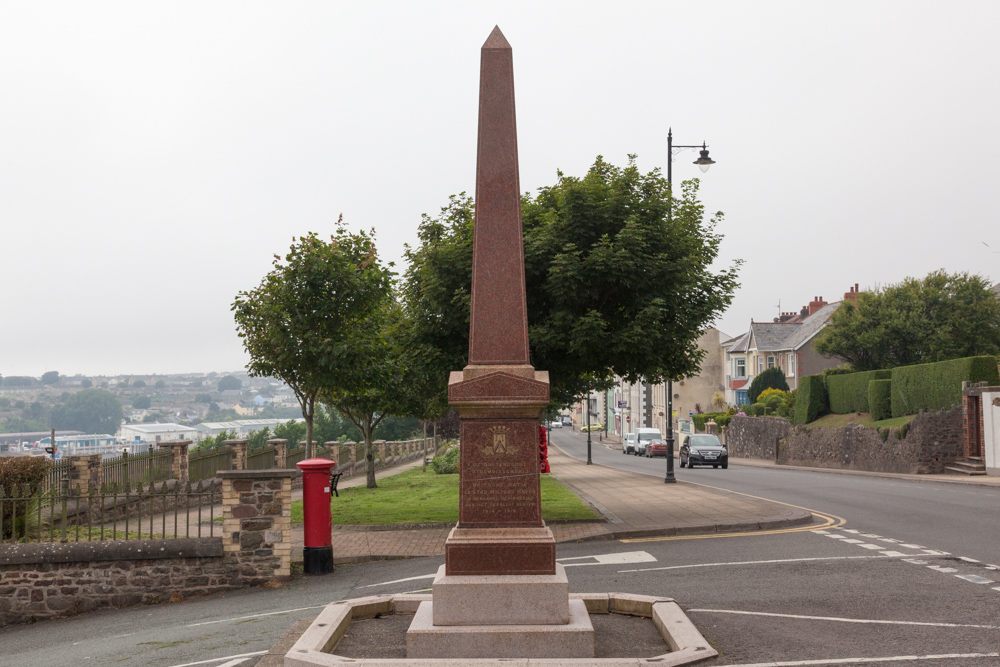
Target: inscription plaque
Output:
[{"x": 499, "y": 481}]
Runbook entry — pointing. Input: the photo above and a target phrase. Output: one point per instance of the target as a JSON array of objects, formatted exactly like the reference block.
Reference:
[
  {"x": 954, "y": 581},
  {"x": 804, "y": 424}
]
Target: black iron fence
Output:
[
  {"x": 32, "y": 514},
  {"x": 203, "y": 465},
  {"x": 132, "y": 469}
]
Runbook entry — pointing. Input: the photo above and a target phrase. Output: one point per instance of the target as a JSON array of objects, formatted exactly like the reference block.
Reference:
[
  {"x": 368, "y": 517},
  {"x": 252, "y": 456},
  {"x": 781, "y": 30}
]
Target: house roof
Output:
[
  {"x": 739, "y": 344},
  {"x": 809, "y": 327},
  {"x": 768, "y": 336}
]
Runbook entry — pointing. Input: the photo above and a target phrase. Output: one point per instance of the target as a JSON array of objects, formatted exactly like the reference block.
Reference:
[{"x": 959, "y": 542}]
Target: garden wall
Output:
[
  {"x": 755, "y": 437},
  {"x": 932, "y": 441}
]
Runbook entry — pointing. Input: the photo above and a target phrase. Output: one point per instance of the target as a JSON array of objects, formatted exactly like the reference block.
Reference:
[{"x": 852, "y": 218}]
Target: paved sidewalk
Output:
[
  {"x": 634, "y": 505},
  {"x": 974, "y": 480}
]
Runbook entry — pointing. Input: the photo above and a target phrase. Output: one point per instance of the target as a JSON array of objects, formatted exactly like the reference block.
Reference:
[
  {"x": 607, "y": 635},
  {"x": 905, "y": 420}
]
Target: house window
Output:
[
  {"x": 760, "y": 365},
  {"x": 790, "y": 371},
  {"x": 741, "y": 368},
  {"x": 742, "y": 397},
  {"x": 770, "y": 362}
]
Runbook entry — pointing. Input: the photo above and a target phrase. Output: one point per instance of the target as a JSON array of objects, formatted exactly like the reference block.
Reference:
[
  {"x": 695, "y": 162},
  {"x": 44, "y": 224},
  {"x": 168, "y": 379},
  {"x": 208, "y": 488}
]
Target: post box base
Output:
[{"x": 317, "y": 560}]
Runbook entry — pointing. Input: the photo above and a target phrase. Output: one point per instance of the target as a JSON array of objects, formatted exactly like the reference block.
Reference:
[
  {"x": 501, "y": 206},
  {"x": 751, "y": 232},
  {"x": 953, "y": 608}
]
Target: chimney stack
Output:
[{"x": 816, "y": 304}]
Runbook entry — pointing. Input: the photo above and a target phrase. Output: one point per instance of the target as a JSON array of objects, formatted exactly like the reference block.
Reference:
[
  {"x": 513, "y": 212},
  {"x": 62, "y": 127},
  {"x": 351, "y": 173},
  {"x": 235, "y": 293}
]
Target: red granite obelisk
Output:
[
  {"x": 500, "y": 593},
  {"x": 499, "y": 395}
]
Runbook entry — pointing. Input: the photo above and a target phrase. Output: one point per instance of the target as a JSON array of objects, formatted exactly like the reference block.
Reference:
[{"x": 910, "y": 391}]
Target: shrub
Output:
[
  {"x": 21, "y": 471},
  {"x": 848, "y": 393},
  {"x": 772, "y": 378},
  {"x": 938, "y": 386},
  {"x": 880, "y": 399},
  {"x": 757, "y": 410},
  {"x": 446, "y": 463},
  {"x": 811, "y": 401},
  {"x": 721, "y": 419}
]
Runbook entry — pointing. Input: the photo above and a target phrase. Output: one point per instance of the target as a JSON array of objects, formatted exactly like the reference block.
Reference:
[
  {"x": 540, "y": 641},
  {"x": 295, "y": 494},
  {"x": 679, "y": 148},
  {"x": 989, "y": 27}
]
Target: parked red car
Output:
[{"x": 656, "y": 448}]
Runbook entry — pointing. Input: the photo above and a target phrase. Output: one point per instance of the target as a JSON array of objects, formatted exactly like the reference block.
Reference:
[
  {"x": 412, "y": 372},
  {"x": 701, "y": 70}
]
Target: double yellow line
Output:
[{"x": 828, "y": 521}]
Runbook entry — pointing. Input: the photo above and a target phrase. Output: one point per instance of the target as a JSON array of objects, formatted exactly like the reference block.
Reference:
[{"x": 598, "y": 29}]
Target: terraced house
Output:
[{"x": 785, "y": 343}]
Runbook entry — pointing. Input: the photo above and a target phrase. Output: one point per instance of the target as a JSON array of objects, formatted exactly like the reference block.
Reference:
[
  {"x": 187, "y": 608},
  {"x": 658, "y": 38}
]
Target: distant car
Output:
[
  {"x": 703, "y": 449},
  {"x": 567, "y": 420},
  {"x": 628, "y": 443},
  {"x": 593, "y": 427},
  {"x": 656, "y": 447},
  {"x": 643, "y": 437},
  {"x": 555, "y": 424}
]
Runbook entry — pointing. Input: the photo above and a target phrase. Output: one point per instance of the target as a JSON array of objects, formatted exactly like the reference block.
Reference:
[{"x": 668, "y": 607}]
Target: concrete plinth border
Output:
[{"x": 687, "y": 645}]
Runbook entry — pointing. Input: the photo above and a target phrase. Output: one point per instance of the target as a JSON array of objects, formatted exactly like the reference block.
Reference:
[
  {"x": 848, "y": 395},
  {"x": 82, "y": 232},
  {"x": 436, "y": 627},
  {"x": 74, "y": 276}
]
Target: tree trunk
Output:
[
  {"x": 310, "y": 449},
  {"x": 369, "y": 454}
]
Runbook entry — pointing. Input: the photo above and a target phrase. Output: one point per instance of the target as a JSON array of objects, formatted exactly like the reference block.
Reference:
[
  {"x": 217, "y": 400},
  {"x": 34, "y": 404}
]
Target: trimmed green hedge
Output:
[
  {"x": 938, "y": 386},
  {"x": 811, "y": 401},
  {"x": 880, "y": 399},
  {"x": 849, "y": 393},
  {"x": 757, "y": 410},
  {"x": 721, "y": 419}
]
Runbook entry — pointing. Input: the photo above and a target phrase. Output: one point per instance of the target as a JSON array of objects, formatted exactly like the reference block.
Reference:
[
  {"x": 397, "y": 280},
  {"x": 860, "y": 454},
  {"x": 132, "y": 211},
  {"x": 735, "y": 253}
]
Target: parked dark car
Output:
[
  {"x": 703, "y": 449},
  {"x": 656, "y": 447}
]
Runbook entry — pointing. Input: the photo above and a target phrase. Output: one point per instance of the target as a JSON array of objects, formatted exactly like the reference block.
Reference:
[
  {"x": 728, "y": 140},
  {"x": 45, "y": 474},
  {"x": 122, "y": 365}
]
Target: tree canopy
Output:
[
  {"x": 943, "y": 316},
  {"x": 230, "y": 382},
  {"x": 772, "y": 378},
  {"x": 614, "y": 287},
  {"x": 51, "y": 377},
  {"x": 90, "y": 411},
  {"x": 142, "y": 402},
  {"x": 305, "y": 322}
]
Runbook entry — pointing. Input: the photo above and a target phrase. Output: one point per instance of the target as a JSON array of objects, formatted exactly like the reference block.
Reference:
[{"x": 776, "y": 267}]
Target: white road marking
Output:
[
  {"x": 996, "y": 588},
  {"x": 890, "y": 540},
  {"x": 859, "y": 661},
  {"x": 839, "y": 537},
  {"x": 400, "y": 581},
  {"x": 915, "y": 561},
  {"x": 753, "y": 562},
  {"x": 233, "y": 663},
  {"x": 851, "y": 530},
  {"x": 941, "y": 568},
  {"x": 241, "y": 618},
  {"x": 853, "y": 541},
  {"x": 821, "y": 532},
  {"x": 870, "y": 536},
  {"x": 892, "y": 553},
  {"x": 838, "y": 619},
  {"x": 934, "y": 552},
  {"x": 871, "y": 546},
  {"x": 974, "y": 578},
  {"x": 226, "y": 657},
  {"x": 911, "y": 546},
  {"x": 611, "y": 559},
  {"x": 969, "y": 560},
  {"x": 992, "y": 567}
]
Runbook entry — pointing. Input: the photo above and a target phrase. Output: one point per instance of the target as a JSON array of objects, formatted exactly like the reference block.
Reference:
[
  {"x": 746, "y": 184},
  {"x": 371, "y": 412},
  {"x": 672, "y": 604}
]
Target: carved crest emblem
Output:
[{"x": 498, "y": 445}]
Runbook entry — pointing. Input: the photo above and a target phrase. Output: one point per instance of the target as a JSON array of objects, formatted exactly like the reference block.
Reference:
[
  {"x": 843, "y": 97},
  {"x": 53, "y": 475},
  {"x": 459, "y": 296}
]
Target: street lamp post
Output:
[
  {"x": 589, "y": 461},
  {"x": 703, "y": 162}
]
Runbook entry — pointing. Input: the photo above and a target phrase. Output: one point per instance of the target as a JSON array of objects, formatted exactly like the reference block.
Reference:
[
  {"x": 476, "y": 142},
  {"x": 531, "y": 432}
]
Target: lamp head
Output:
[{"x": 704, "y": 162}]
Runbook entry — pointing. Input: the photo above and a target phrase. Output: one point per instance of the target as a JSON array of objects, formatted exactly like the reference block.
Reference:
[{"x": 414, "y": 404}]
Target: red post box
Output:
[{"x": 317, "y": 554}]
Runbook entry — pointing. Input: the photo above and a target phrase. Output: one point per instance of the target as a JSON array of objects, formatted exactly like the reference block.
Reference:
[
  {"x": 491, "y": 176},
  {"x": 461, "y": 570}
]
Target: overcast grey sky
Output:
[{"x": 154, "y": 156}]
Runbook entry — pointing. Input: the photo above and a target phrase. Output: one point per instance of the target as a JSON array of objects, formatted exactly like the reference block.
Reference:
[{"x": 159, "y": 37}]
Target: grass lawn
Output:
[
  {"x": 415, "y": 496},
  {"x": 862, "y": 418}
]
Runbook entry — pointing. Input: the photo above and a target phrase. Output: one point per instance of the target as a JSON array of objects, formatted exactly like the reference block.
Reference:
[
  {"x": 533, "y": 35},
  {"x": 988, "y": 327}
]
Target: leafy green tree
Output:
[
  {"x": 292, "y": 431},
  {"x": 20, "y": 425},
  {"x": 19, "y": 381},
  {"x": 86, "y": 383},
  {"x": 50, "y": 377},
  {"x": 203, "y": 398},
  {"x": 4, "y": 402},
  {"x": 139, "y": 384},
  {"x": 259, "y": 438},
  {"x": 304, "y": 322},
  {"x": 160, "y": 384},
  {"x": 211, "y": 442},
  {"x": 377, "y": 385},
  {"x": 943, "y": 316},
  {"x": 772, "y": 378},
  {"x": 613, "y": 287},
  {"x": 90, "y": 411},
  {"x": 230, "y": 382},
  {"x": 19, "y": 405},
  {"x": 141, "y": 402}
]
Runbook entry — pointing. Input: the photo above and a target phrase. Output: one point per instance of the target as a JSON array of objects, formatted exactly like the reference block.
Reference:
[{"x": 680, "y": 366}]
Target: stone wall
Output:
[
  {"x": 755, "y": 437},
  {"x": 47, "y": 580},
  {"x": 929, "y": 443}
]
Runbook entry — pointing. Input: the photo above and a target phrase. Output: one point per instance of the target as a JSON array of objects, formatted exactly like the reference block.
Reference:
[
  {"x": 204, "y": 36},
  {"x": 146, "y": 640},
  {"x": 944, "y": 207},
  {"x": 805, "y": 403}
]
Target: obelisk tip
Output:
[{"x": 496, "y": 40}]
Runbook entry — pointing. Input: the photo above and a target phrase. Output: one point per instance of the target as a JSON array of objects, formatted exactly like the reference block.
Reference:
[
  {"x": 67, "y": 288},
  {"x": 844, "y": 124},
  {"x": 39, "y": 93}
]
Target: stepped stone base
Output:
[
  {"x": 541, "y": 599},
  {"x": 491, "y": 551},
  {"x": 572, "y": 640}
]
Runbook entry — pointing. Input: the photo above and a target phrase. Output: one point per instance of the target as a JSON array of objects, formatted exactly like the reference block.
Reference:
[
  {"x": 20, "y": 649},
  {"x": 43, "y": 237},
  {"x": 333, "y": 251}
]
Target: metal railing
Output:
[
  {"x": 293, "y": 456},
  {"x": 132, "y": 469},
  {"x": 33, "y": 515},
  {"x": 204, "y": 465},
  {"x": 59, "y": 471},
  {"x": 261, "y": 459}
]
